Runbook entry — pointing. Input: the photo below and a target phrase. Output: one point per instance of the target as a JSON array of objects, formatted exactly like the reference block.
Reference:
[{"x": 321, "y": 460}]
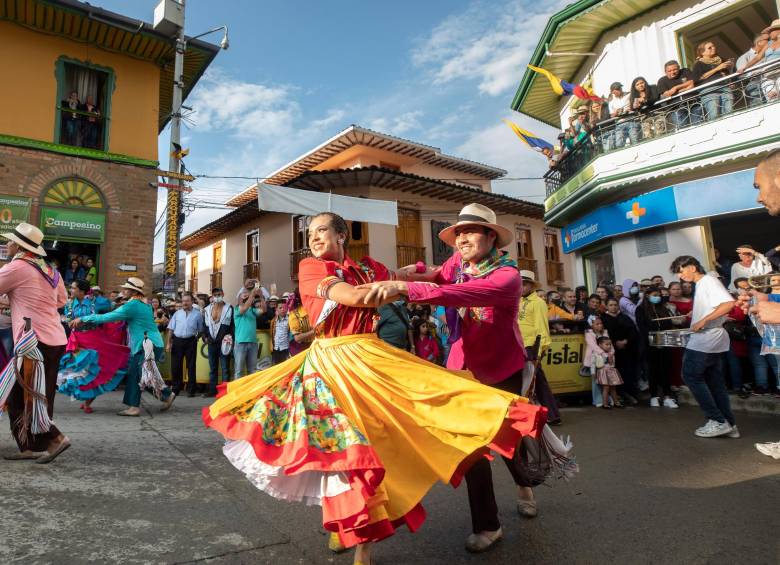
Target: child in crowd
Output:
[
  {"x": 592, "y": 350},
  {"x": 425, "y": 344},
  {"x": 606, "y": 373}
]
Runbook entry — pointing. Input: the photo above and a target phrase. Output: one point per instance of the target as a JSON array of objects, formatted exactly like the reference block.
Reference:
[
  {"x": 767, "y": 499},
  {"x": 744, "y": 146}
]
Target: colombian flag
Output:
[
  {"x": 534, "y": 142},
  {"x": 561, "y": 87}
]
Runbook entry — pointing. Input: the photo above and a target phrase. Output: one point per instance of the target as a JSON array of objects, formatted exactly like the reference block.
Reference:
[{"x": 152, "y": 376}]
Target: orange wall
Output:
[{"x": 29, "y": 92}]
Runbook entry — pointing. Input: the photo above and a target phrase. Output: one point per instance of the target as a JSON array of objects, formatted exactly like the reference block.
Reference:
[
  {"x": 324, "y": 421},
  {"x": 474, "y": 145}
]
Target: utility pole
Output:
[{"x": 173, "y": 226}]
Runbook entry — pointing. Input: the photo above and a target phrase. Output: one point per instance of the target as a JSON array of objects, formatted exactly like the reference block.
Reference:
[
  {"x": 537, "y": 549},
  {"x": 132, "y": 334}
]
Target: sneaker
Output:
[
  {"x": 654, "y": 402},
  {"x": 734, "y": 433},
  {"x": 713, "y": 429},
  {"x": 670, "y": 403},
  {"x": 770, "y": 449}
]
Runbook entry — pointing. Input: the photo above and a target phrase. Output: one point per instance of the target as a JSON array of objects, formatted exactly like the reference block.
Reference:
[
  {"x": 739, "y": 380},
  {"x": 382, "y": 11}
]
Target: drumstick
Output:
[{"x": 669, "y": 318}]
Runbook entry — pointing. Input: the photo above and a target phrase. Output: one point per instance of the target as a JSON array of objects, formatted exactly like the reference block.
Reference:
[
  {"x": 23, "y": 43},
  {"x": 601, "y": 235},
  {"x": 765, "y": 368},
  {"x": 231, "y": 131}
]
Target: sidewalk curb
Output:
[{"x": 752, "y": 405}]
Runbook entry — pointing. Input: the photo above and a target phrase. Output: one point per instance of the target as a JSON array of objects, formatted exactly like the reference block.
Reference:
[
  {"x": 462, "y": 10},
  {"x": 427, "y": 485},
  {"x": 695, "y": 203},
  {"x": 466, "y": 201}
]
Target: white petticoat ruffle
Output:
[{"x": 308, "y": 487}]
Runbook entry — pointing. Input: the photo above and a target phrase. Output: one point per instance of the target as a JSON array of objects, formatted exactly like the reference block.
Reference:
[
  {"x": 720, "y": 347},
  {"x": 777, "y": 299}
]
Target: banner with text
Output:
[{"x": 75, "y": 224}]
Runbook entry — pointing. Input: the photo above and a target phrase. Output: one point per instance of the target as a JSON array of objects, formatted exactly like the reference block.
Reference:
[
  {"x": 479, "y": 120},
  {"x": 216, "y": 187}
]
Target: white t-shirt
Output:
[
  {"x": 759, "y": 266},
  {"x": 710, "y": 294},
  {"x": 618, "y": 103}
]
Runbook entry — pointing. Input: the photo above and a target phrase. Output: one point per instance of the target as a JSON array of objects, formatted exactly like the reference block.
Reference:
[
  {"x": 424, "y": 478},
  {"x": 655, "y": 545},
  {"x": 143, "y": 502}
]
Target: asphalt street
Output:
[{"x": 157, "y": 489}]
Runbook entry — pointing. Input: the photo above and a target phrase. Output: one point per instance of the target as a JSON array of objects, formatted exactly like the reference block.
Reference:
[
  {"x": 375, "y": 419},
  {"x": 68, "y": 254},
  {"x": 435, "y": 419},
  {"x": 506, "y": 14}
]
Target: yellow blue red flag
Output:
[{"x": 533, "y": 141}]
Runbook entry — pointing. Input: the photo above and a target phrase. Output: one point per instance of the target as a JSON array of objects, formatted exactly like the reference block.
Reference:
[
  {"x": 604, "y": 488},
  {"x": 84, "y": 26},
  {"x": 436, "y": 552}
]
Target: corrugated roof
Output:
[
  {"x": 84, "y": 23},
  {"x": 584, "y": 23},
  {"x": 356, "y": 135},
  {"x": 376, "y": 177}
]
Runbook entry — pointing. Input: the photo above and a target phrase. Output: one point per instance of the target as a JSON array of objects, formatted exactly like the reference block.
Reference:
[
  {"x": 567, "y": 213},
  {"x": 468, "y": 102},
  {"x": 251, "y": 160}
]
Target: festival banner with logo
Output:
[
  {"x": 75, "y": 224},
  {"x": 702, "y": 198}
]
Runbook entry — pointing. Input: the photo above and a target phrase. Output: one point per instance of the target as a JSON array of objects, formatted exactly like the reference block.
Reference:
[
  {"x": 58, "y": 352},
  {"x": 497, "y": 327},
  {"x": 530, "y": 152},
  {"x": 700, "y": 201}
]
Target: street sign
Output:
[
  {"x": 127, "y": 268},
  {"x": 180, "y": 188},
  {"x": 75, "y": 224},
  {"x": 13, "y": 211},
  {"x": 172, "y": 175},
  {"x": 172, "y": 234}
]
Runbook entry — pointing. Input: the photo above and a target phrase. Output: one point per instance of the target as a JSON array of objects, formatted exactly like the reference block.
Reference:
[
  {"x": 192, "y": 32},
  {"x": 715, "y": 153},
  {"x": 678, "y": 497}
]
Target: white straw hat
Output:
[
  {"x": 477, "y": 215},
  {"x": 27, "y": 236},
  {"x": 136, "y": 284},
  {"x": 529, "y": 276}
]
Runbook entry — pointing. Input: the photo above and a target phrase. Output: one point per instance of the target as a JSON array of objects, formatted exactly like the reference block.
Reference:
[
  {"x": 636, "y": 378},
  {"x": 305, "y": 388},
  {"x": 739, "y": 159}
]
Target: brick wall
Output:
[{"x": 131, "y": 203}]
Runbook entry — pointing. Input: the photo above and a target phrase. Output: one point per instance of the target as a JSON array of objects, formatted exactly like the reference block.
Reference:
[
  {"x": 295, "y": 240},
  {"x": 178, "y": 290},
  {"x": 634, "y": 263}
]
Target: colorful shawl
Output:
[{"x": 48, "y": 272}]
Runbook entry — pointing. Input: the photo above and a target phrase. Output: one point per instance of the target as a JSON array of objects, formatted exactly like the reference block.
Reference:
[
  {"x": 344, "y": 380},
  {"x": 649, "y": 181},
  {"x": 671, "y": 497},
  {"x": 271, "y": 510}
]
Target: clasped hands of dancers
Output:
[{"x": 365, "y": 429}]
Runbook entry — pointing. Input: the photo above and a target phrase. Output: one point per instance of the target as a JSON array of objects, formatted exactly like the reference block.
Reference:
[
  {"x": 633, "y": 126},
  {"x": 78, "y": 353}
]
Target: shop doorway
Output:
[
  {"x": 756, "y": 228},
  {"x": 63, "y": 252},
  {"x": 599, "y": 267}
]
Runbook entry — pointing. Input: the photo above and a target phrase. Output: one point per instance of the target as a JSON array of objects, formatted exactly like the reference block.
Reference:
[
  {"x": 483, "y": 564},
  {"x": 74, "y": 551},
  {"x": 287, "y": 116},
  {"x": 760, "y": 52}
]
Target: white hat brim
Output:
[
  {"x": 504, "y": 236},
  {"x": 13, "y": 237},
  {"x": 132, "y": 287}
]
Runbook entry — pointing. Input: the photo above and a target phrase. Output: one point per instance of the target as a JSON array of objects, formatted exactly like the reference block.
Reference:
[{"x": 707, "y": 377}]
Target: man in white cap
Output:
[
  {"x": 484, "y": 284},
  {"x": 35, "y": 291},
  {"x": 140, "y": 323}
]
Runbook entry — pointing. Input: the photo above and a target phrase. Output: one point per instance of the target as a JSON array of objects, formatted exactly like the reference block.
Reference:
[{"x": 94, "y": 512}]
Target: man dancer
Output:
[
  {"x": 533, "y": 322},
  {"x": 484, "y": 284},
  {"x": 35, "y": 290},
  {"x": 183, "y": 331}
]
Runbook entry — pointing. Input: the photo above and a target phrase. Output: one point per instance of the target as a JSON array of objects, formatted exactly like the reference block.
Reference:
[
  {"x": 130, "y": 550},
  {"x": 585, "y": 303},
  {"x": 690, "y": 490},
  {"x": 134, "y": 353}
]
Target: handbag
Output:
[
  {"x": 227, "y": 345},
  {"x": 737, "y": 331},
  {"x": 585, "y": 371}
]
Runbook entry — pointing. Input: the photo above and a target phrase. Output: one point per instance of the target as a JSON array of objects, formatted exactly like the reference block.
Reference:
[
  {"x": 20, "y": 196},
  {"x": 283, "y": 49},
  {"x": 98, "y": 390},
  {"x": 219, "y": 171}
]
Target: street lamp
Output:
[{"x": 224, "y": 44}]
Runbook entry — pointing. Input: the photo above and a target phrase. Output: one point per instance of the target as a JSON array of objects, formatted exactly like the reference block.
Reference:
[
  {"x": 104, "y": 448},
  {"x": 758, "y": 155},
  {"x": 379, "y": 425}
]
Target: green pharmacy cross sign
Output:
[{"x": 73, "y": 224}]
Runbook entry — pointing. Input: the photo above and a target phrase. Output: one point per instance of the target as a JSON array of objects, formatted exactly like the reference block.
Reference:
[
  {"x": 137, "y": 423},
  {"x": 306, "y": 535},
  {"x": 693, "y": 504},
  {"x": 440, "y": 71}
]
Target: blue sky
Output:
[{"x": 440, "y": 72}]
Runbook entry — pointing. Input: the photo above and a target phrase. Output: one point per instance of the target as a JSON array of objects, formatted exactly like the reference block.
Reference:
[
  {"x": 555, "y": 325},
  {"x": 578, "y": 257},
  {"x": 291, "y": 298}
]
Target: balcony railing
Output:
[
  {"x": 554, "y": 272},
  {"x": 525, "y": 264},
  {"x": 192, "y": 285},
  {"x": 409, "y": 254},
  {"x": 252, "y": 271},
  {"x": 295, "y": 258},
  {"x": 757, "y": 86},
  {"x": 216, "y": 280}
]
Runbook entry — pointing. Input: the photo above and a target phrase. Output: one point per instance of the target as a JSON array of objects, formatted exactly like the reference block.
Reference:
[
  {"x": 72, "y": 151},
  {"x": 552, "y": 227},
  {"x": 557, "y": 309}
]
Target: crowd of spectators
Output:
[{"x": 648, "y": 110}]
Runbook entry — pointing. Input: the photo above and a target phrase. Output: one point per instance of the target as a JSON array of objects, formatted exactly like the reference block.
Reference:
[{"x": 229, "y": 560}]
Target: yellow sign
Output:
[
  {"x": 172, "y": 234},
  {"x": 172, "y": 175},
  {"x": 562, "y": 362}
]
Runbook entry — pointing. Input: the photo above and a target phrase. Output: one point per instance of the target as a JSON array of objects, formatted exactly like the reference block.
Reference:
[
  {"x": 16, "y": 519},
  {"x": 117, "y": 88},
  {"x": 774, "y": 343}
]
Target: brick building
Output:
[{"x": 91, "y": 90}]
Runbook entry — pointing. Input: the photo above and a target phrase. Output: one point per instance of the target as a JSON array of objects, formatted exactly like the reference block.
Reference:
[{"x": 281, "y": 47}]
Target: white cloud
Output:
[
  {"x": 489, "y": 42},
  {"x": 397, "y": 125}
]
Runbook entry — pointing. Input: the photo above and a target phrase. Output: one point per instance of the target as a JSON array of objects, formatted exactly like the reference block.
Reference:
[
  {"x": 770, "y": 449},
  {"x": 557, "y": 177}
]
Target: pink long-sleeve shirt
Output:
[
  {"x": 31, "y": 296},
  {"x": 490, "y": 344}
]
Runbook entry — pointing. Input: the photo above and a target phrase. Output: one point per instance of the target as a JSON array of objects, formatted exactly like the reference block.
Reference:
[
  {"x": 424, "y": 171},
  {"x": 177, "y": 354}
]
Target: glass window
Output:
[
  {"x": 253, "y": 247},
  {"x": 524, "y": 247},
  {"x": 83, "y": 106},
  {"x": 599, "y": 267}
]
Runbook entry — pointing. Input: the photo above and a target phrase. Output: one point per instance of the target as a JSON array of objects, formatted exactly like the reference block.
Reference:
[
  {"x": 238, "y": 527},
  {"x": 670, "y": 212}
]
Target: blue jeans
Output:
[
  {"x": 245, "y": 358},
  {"x": 762, "y": 364},
  {"x": 628, "y": 128},
  {"x": 703, "y": 373},
  {"x": 215, "y": 360},
  {"x": 682, "y": 117},
  {"x": 132, "y": 382},
  {"x": 717, "y": 103},
  {"x": 735, "y": 370}
]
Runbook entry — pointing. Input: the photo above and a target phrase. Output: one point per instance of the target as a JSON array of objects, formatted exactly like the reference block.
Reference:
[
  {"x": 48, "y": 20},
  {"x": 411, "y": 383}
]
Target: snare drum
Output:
[{"x": 670, "y": 338}]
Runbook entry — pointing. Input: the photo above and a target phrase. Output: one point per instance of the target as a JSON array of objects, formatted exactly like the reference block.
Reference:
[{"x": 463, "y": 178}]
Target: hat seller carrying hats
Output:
[
  {"x": 28, "y": 237},
  {"x": 477, "y": 215}
]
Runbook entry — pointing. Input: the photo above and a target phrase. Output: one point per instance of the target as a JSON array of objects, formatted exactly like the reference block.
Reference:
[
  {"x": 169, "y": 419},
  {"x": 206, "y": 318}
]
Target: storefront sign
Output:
[
  {"x": 172, "y": 234},
  {"x": 562, "y": 362},
  {"x": 702, "y": 198},
  {"x": 13, "y": 211},
  {"x": 75, "y": 224}
]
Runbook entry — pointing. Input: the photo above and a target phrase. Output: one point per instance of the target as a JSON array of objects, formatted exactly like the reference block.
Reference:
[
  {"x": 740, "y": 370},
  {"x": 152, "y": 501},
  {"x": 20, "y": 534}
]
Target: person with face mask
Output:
[
  {"x": 630, "y": 299},
  {"x": 652, "y": 317},
  {"x": 218, "y": 317},
  {"x": 245, "y": 340}
]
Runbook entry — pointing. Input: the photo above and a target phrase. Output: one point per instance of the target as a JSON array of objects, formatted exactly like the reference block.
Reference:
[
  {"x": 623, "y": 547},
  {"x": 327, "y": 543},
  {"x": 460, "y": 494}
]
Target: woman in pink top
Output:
[
  {"x": 35, "y": 291},
  {"x": 425, "y": 345},
  {"x": 591, "y": 349}
]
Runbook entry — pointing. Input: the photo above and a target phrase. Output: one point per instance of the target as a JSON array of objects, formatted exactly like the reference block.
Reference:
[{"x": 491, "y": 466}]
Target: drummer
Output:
[{"x": 703, "y": 361}]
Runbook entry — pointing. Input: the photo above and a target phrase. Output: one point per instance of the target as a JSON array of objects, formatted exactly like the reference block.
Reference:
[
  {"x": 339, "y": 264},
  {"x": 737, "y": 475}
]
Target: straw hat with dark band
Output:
[
  {"x": 136, "y": 284},
  {"x": 529, "y": 276},
  {"x": 28, "y": 237},
  {"x": 477, "y": 215}
]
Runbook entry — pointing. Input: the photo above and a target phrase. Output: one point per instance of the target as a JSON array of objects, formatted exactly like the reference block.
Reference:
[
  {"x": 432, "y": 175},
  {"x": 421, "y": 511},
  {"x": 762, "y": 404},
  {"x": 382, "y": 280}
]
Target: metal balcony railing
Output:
[
  {"x": 409, "y": 254},
  {"x": 758, "y": 86},
  {"x": 252, "y": 271},
  {"x": 216, "y": 280}
]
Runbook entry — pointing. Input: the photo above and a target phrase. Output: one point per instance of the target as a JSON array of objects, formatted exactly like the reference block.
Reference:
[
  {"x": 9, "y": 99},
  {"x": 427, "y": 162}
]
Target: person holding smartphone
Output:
[
  {"x": 709, "y": 67},
  {"x": 245, "y": 319}
]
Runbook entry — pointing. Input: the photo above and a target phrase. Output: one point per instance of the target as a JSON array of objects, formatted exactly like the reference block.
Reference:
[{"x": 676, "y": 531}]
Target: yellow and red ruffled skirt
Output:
[{"x": 364, "y": 430}]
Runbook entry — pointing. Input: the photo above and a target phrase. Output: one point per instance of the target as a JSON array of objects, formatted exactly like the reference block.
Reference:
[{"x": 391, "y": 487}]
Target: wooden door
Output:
[{"x": 408, "y": 237}]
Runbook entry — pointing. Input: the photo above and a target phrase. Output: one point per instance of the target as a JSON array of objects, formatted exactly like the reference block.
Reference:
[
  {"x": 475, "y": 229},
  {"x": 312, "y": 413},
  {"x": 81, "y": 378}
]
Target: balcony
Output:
[
  {"x": 192, "y": 286},
  {"x": 525, "y": 264},
  {"x": 555, "y": 273},
  {"x": 409, "y": 254},
  {"x": 295, "y": 258},
  {"x": 677, "y": 134},
  {"x": 216, "y": 280},
  {"x": 252, "y": 271}
]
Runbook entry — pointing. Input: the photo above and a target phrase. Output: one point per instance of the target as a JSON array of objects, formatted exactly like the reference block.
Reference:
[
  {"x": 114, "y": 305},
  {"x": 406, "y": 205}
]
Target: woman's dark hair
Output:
[
  {"x": 82, "y": 285},
  {"x": 338, "y": 224},
  {"x": 673, "y": 283},
  {"x": 602, "y": 339},
  {"x": 613, "y": 299},
  {"x": 685, "y": 261},
  {"x": 739, "y": 280},
  {"x": 579, "y": 292},
  {"x": 634, "y": 93},
  {"x": 78, "y": 263},
  {"x": 592, "y": 296},
  {"x": 416, "y": 327}
]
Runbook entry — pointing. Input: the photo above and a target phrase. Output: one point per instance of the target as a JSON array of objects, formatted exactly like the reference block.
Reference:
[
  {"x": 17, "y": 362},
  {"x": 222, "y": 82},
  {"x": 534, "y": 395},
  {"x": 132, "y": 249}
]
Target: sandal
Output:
[{"x": 52, "y": 455}]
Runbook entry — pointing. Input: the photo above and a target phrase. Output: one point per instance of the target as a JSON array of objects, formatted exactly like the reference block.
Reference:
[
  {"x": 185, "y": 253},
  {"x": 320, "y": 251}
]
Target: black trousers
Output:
[
  {"x": 279, "y": 356},
  {"x": 183, "y": 348},
  {"x": 36, "y": 442},
  {"x": 659, "y": 361},
  {"x": 479, "y": 478}
]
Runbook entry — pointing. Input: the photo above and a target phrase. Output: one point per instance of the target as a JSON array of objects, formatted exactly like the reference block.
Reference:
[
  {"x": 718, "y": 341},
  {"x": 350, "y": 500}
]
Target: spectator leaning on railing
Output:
[
  {"x": 751, "y": 57},
  {"x": 643, "y": 97},
  {"x": 709, "y": 67},
  {"x": 770, "y": 53},
  {"x": 619, "y": 105},
  {"x": 675, "y": 81}
]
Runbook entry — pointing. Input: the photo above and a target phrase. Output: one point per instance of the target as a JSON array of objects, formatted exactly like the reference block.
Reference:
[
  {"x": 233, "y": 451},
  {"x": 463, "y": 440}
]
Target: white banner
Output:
[{"x": 272, "y": 198}]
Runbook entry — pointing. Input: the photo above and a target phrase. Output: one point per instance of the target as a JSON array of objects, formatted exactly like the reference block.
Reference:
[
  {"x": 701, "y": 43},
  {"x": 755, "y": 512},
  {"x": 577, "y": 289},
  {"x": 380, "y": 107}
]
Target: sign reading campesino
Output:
[{"x": 73, "y": 224}]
